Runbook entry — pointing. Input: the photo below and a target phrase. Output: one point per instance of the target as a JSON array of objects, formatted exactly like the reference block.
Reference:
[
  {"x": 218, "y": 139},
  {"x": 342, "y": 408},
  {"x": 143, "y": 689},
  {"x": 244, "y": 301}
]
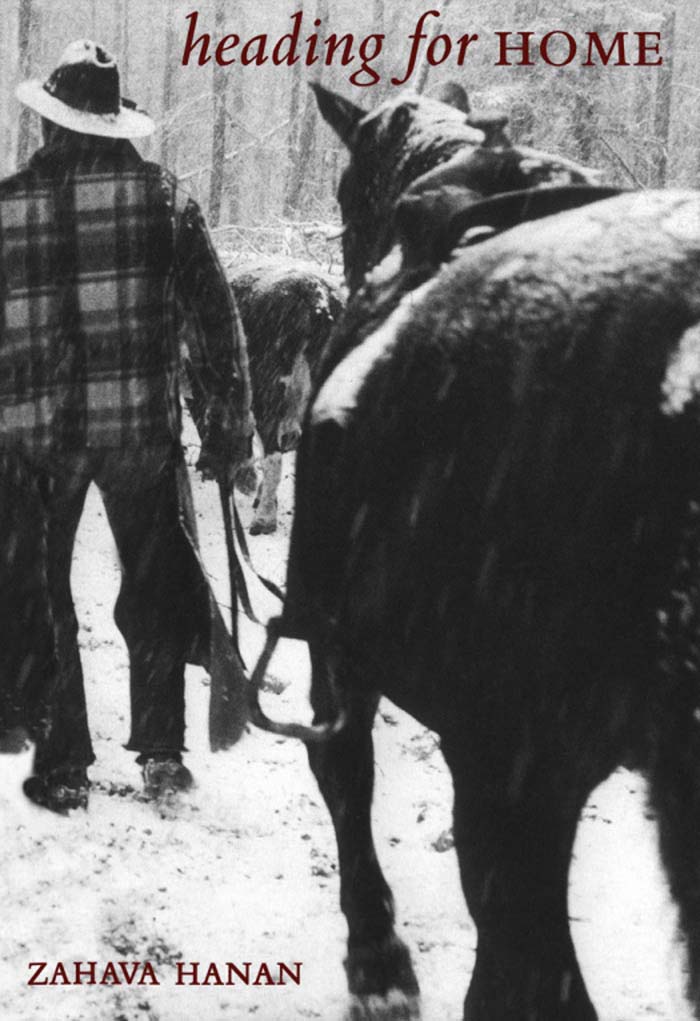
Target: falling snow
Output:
[{"x": 244, "y": 867}]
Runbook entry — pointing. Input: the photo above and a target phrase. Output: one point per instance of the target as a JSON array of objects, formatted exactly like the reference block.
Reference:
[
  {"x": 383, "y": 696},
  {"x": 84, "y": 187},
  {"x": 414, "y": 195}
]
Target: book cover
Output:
[{"x": 224, "y": 903}]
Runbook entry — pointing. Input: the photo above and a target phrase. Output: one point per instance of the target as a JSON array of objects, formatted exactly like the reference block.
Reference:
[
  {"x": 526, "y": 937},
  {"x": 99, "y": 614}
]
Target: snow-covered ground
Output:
[{"x": 243, "y": 868}]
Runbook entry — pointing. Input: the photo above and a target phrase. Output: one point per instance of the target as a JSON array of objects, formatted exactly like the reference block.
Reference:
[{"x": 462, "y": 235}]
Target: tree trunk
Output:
[
  {"x": 683, "y": 142},
  {"x": 293, "y": 138},
  {"x": 424, "y": 70},
  {"x": 122, "y": 37},
  {"x": 235, "y": 168},
  {"x": 168, "y": 145},
  {"x": 381, "y": 89},
  {"x": 523, "y": 14},
  {"x": 662, "y": 105},
  {"x": 640, "y": 161},
  {"x": 234, "y": 172},
  {"x": 218, "y": 149},
  {"x": 293, "y": 131},
  {"x": 305, "y": 148},
  {"x": 584, "y": 127},
  {"x": 28, "y": 136},
  {"x": 307, "y": 136}
]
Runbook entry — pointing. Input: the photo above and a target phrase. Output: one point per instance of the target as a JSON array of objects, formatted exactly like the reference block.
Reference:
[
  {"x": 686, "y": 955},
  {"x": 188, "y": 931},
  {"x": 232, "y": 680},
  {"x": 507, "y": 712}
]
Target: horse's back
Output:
[{"x": 501, "y": 470}]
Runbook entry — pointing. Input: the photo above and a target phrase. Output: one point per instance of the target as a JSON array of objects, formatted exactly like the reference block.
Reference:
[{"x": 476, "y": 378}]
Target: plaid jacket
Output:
[{"x": 98, "y": 252}]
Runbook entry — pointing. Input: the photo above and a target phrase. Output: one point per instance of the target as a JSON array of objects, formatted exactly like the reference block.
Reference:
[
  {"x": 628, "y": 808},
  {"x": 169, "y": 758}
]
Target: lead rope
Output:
[
  {"x": 239, "y": 585},
  {"x": 314, "y": 733}
]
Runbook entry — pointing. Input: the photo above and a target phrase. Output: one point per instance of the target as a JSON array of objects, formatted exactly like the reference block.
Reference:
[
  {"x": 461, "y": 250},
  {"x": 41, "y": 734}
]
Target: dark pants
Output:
[
  {"x": 161, "y": 607},
  {"x": 28, "y": 664}
]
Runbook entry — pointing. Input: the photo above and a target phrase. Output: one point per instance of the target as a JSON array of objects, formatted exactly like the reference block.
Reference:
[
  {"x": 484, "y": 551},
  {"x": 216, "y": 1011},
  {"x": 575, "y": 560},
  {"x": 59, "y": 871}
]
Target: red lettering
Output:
[
  {"x": 618, "y": 43},
  {"x": 193, "y": 970},
  {"x": 264, "y": 973},
  {"x": 647, "y": 46},
  {"x": 333, "y": 43},
  {"x": 290, "y": 57},
  {"x": 59, "y": 972},
  {"x": 370, "y": 48},
  {"x": 446, "y": 43},
  {"x": 129, "y": 976},
  {"x": 33, "y": 979},
  {"x": 464, "y": 42},
  {"x": 417, "y": 35},
  {"x": 234, "y": 970},
  {"x": 544, "y": 48},
  {"x": 227, "y": 42},
  {"x": 109, "y": 975},
  {"x": 254, "y": 51},
  {"x": 295, "y": 975},
  {"x": 191, "y": 42},
  {"x": 312, "y": 40},
  {"x": 88, "y": 974},
  {"x": 523, "y": 47},
  {"x": 148, "y": 973},
  {"x": 212, "y": 973}
]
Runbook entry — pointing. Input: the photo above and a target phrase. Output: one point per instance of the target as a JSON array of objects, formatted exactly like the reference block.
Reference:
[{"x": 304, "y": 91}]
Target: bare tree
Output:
[
  {"x": 379, "y": 26},
  {"x": 306, "y": 138},
  {"x": 424, "y": 70},
  {"x": 236, "y": 165},
  {"x": 584, "y": 126},
  {"x": 637, "y": 124},
  {"x": 662, "y": 105},
  {"x": 218, "y": 149},
  {"x": 293, "y": 133},
  {"x": 168, "y": 144},
  {"x": 29, "y": 37},
  {"x": 122, "y": 37}
]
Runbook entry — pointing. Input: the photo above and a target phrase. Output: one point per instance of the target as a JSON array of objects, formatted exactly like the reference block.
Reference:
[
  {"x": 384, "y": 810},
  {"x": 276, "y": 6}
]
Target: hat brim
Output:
[{"x": 125, "y": 124}]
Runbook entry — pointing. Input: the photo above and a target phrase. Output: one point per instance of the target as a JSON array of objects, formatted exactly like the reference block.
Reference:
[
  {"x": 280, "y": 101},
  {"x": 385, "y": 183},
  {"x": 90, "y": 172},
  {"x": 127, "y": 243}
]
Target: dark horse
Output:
[
  {"x": 288, "y": 311},
  {"x": 498, "y": 526}
]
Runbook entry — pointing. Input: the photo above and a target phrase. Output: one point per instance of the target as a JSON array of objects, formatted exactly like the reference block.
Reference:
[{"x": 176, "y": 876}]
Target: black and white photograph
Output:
[{"x": 350, "y": 510}]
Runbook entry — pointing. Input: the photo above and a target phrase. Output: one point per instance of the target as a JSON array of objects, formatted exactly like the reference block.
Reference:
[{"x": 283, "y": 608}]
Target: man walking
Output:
[{"x": 99, "y": 251}]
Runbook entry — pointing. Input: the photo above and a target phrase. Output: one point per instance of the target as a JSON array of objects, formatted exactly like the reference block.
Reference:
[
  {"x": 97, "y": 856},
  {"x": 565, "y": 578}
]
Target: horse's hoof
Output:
[
  {"x": 263, "y": 526},
  {"x": 395, "y": 1006},
  {"x": 382, "y": 982}
]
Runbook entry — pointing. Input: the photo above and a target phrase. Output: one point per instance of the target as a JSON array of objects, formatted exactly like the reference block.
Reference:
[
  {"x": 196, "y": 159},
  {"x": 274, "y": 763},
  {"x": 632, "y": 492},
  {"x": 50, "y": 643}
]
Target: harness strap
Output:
[
  {"x": 499, "y": 213},
  {"x": 228, "y": 505}
]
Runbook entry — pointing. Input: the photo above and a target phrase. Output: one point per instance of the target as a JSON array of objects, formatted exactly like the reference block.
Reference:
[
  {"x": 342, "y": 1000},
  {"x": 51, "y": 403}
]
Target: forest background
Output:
[{"x": 248, "y": 141}]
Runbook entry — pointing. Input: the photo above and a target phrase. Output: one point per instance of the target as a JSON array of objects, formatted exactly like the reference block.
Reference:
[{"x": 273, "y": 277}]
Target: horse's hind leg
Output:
[
  {"x": 675, "y": 793},
  {"x": 378, "y": 965},
  {"x": 514, "y": 848},
  {"x": 265, "y": 520}
]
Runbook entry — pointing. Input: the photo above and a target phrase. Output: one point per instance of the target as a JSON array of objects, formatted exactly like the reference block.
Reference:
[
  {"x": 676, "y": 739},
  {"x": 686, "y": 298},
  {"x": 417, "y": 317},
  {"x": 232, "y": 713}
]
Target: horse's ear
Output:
[
  {"x": 342, "y": 115},
  {"x": 453, "y": 94}
]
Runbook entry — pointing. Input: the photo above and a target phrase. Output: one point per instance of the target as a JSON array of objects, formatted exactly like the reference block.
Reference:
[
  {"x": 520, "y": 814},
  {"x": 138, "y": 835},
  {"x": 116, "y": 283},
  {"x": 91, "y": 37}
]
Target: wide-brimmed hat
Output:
[{"x": 83, "y": 94}]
